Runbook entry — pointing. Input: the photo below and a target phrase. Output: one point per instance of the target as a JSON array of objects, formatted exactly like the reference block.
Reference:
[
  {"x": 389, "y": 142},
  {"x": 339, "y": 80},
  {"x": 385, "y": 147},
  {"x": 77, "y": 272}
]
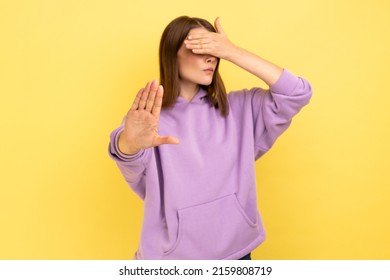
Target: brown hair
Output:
[{"x": 170, "y": 43}]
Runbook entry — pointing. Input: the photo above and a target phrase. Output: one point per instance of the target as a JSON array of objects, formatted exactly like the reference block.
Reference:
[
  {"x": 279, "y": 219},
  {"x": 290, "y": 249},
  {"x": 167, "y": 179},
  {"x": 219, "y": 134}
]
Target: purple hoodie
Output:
[{"x": 200, "y": 195}]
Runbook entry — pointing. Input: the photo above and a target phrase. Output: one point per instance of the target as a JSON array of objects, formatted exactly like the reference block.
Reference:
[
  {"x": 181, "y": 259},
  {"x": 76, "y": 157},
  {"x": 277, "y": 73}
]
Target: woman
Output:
[{"x": 198, "y": 185}]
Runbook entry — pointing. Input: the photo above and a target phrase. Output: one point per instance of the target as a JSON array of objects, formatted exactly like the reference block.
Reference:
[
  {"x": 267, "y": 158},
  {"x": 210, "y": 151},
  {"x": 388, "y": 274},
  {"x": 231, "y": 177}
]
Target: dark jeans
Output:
[{"x": 247, "y": 257}]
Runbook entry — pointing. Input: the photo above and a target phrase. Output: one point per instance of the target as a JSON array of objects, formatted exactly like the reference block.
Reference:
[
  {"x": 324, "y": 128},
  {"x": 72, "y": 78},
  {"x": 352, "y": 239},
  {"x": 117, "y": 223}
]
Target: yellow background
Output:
[{"x": 69, "y": 71}]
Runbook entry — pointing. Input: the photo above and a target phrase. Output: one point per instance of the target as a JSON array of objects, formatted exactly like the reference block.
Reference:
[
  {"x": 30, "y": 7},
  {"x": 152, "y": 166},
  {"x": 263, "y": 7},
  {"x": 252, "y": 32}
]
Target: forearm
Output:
[
  {"x": 132, "y": 167},
  {"x": 263, "y": 69}
]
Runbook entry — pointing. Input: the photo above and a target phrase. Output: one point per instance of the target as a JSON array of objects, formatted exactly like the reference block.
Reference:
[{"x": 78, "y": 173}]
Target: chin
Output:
[{"x": 205, "y": 83}]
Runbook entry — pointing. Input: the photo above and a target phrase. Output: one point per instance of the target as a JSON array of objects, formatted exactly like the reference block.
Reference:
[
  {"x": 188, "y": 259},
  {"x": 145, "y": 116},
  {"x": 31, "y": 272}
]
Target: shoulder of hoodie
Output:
[{"x": 244, "y": 96}]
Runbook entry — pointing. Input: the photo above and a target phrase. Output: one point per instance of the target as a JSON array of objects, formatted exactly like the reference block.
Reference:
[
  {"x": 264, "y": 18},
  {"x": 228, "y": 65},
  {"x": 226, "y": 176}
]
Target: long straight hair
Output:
[{"x": 170, "y": 43}]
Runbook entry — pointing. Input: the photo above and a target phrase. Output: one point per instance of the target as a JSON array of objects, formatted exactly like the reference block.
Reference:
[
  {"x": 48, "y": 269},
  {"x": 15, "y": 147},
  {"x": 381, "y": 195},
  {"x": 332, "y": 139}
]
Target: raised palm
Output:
[{"x": 141, "y": 122}]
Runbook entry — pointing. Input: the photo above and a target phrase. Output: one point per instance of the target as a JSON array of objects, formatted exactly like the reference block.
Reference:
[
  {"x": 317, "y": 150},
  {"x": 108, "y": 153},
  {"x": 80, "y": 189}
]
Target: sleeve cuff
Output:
[
  {"x": 114, "y": 149},
  {"x": 286, "y": 83}
]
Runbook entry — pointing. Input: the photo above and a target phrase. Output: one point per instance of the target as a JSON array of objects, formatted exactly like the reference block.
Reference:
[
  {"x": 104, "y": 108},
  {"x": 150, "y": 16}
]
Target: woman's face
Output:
[{"x": 195, "y": 68}]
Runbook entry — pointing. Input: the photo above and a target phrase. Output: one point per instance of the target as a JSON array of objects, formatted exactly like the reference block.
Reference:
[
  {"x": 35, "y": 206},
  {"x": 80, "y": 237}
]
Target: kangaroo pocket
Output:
[{"x": 213, "y": 230}]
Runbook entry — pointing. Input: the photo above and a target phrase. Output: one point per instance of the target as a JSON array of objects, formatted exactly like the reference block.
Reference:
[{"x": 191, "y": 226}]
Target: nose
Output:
[{"x": 210, "y": 59}]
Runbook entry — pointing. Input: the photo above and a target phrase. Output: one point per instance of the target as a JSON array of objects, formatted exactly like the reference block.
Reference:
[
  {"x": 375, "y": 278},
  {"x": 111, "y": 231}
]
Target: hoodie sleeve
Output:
[
  {"x": 133, "y": 168},
  {"x": 273, "y": 110}
]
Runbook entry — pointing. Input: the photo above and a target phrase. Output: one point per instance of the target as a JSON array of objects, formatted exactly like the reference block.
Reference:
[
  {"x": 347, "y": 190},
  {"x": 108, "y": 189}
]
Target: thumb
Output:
[
  {"x": 218, "y": 26},
  {"x": 160, "y": 140}
]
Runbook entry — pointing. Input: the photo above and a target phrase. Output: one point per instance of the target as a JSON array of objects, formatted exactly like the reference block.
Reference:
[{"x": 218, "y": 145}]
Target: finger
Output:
[
  {"x": 144, "y": 96},
  {"x": 158, "y": 102},
  {"x": 202, "y": 47},
  {"x": 136, "y": 100},
  {"x": 218, "y": 26},
  {"x": 198, "y": 41},
  {"x": 152, "y": 95},
  {"x": 202, "y": 51},
  {"x": 200, "y": 35},
  {"x": 160, "y": 140}
]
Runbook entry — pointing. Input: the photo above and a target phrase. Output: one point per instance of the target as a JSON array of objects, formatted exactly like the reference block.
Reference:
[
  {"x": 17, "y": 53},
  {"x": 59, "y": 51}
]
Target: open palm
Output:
[{"x": 141, "y": 122}]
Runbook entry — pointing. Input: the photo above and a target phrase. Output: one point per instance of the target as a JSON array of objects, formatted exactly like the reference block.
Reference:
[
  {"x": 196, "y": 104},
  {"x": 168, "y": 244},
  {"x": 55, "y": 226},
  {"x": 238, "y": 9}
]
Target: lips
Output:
[{"x": 209, "y": 70}]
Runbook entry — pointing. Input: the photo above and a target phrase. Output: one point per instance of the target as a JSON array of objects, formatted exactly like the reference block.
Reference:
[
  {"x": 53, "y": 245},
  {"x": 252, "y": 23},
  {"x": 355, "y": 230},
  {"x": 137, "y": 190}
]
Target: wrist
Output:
[
  {"x": 124, "y": 147},
  {"x": 233, "y": 54}
]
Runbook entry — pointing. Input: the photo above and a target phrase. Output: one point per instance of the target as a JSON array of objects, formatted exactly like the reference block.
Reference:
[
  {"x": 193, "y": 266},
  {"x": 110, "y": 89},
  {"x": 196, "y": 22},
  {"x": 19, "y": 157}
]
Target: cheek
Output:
[
  {"x": 189, "y": 64},
  {"x": 189, "y": 60}
]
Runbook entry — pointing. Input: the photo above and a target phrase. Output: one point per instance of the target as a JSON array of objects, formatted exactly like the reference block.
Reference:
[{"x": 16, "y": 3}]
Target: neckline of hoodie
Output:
[{"x": 199, "y": 97}]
